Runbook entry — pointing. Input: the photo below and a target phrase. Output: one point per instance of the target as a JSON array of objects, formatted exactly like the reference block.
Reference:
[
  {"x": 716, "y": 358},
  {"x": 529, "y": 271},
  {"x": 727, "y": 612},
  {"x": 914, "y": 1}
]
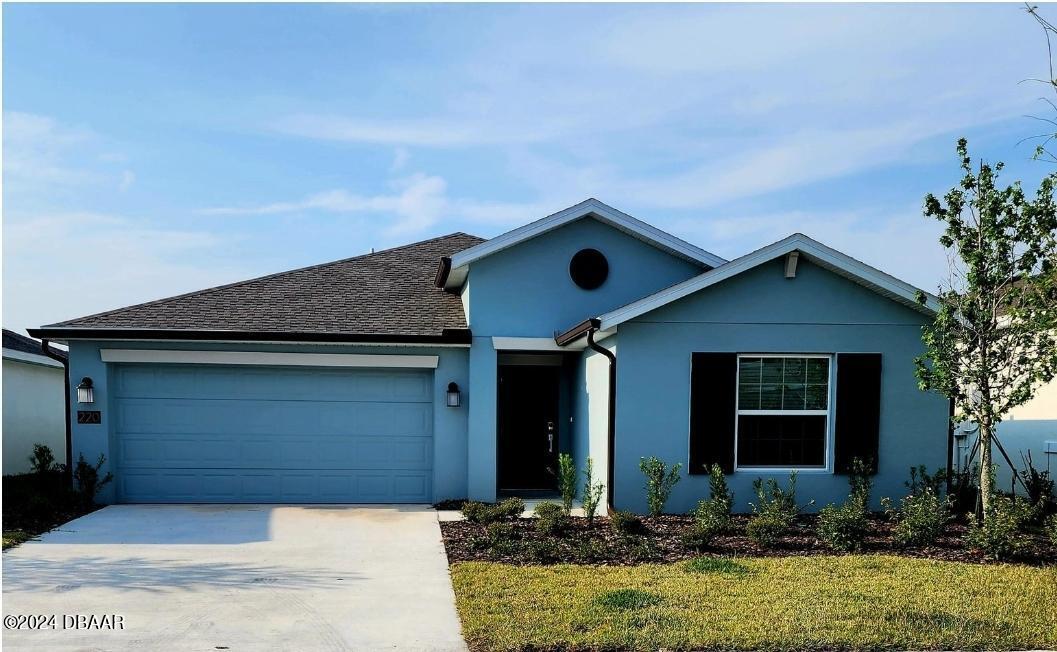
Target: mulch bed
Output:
[{"x": 661, "y": 541}]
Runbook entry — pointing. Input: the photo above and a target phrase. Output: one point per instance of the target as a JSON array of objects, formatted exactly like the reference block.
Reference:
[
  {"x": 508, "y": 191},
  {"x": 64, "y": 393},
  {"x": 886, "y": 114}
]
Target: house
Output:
[
  {"x": 460, "y": 367},
  {"x": 33, "y": 401}
]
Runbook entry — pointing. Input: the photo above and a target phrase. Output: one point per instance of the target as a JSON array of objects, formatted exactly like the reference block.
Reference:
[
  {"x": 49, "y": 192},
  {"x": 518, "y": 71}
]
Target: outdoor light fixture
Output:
[
  {"x": 454, "y": 396},
  {"x": 84, "y": 391}
]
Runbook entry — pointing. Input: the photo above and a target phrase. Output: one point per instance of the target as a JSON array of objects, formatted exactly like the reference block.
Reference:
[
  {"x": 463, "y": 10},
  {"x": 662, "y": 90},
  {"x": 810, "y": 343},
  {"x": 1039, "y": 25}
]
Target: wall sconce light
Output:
[
  {"x": 454, "y": 395},
  {"x": 84, "y": 391}
]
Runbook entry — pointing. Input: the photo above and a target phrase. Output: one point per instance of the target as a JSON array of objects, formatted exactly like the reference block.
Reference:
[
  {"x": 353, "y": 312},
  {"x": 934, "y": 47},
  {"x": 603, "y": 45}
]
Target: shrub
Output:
[
  {"x": 543, "y": 550},
  {"x": 625, "y": 523},
  {"x": 1051, "y": 528},
  {"x": 592, "y": 492},
  {"x": 861, "y": 483},
  {"x": 88, "y": 481},
  {"x": 627, "y": 599},
  {"x": 997, "y": 535},
  {"x": 482, "y": 513},
  {"x": 501, "y": 539},
  {"x": 660, "y": 480},
  {"x": 712, "y": 516},
  {"x": 42, "y": 460},
  {"x": 765, "y": 529},
  {"x": 920, "y": 518},
  {"x": 920, "y": 480},
  {"x": 567, "y": 477},
  {"x": 1039, "y": 487},
  {"x": 551, "y": 518},
  {"x": 843, "y": 528},
  {"x": 641, "y": 548},
  {"x": 589, "y": 549}
]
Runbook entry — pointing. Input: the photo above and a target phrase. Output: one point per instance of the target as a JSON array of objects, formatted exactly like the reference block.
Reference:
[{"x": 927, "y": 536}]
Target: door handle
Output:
[{"x": 550, "y": 436}]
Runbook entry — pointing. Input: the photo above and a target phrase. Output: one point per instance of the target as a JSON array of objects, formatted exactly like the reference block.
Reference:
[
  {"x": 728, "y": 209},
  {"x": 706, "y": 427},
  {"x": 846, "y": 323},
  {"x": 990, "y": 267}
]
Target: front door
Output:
[{"x": 528, "y": 428}]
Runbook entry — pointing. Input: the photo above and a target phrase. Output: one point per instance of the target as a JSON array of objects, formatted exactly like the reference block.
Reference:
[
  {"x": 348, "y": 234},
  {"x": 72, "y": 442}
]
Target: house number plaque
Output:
[{"x": 89, "y": 416}]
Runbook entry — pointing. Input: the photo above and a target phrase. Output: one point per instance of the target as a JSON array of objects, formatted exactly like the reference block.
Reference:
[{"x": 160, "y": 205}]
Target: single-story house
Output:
[
  {"x": 460, "y": 367},
  {"x": 33, "y": 401}
]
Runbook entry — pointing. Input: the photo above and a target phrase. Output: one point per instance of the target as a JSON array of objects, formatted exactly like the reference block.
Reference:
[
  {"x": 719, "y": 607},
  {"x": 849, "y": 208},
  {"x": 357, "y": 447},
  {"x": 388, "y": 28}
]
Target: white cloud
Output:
[
  {"x": 128, "y": 177},
  {"x": 64, "y": 265},
  {"x": 400, "y": 158}
]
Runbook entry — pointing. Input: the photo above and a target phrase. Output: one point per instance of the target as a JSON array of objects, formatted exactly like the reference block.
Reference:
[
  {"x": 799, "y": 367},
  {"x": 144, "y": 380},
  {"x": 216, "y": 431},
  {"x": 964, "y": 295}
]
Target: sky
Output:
[{"x": 150, "y": 150}]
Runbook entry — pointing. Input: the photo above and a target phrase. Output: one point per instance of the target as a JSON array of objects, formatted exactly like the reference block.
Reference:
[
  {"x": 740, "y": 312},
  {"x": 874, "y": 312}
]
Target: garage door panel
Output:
[
  {"x": 271, "y": 383},
  {"x": 238, "y": 434}
]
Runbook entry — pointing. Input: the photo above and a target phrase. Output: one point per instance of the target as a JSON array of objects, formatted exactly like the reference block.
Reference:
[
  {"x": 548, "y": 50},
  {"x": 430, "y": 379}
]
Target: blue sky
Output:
[{"x": 156, "y": 149}]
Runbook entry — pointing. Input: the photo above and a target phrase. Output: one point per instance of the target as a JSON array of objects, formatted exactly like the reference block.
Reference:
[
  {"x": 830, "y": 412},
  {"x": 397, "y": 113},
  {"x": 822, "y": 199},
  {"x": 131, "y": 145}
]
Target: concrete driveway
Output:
[{"x": 249, "y": 577}]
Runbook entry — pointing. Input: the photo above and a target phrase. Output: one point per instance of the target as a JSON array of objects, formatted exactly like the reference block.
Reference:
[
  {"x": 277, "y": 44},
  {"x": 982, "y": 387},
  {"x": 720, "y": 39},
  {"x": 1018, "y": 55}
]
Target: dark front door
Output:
[{"x": 528, "y": 428}]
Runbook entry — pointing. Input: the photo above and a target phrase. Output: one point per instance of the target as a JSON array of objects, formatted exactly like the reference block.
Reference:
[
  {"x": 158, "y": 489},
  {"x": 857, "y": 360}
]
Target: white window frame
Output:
[{"x": 828, "y": 413}]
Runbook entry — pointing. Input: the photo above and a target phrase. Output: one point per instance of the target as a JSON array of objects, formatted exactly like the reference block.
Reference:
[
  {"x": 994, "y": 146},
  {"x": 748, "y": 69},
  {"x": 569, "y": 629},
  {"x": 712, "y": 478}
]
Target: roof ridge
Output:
[{"x": 234, "y": 284}]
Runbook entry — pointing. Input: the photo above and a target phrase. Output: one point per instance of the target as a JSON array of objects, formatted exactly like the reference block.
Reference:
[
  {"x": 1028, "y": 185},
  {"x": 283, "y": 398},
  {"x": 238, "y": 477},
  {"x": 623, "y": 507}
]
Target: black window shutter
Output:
[
  {"x": 713, "y": 392},
  {"x": 858, "y": 417}
]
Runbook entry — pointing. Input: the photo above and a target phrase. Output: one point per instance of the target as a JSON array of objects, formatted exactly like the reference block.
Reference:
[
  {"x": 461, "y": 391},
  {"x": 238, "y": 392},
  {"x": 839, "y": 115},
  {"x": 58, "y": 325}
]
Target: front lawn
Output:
[{"x": 766, "y": 603}]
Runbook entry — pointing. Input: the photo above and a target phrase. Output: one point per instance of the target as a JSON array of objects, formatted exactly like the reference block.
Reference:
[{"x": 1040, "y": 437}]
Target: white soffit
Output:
[
  {"x": 268, "y": 358},
  {"x": 590, "y": 208}
]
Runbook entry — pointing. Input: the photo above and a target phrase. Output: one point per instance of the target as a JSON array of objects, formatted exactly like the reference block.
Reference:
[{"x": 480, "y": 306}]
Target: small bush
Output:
[
  {"x": 998, "y": 534},
  {"x": 641, "y": 548},
  {"x": 543, "y": 550},
  {"x": 1051, "y": 528},
  {"x": 843, "y": 528},
  {"x": 627, "y": 599},
  {"x": 920, "y": 480},
  {"x": 625, "y": 523},
  {"x": 567, "y": 477},
  {"x": 861, "y": 483},
  {"x": 88, "y": 481},
  {"x": 765, "y": 529},
  {"x": 712, "y": 516},
  {"x": 551, "y": 518},
  {"x": 42, "y": 460},
  {"x": 483, "y": 513},
  {"x": 1039, "y": 487},
  {"x": 920, "y": 518},
  {"x": 715, "y": 565},
  {"x": 501, "y": 539},
  {"x": 660, "y": 480},
  {"x": 592, "y": 493},
  {"x": 589, "y": 549}
]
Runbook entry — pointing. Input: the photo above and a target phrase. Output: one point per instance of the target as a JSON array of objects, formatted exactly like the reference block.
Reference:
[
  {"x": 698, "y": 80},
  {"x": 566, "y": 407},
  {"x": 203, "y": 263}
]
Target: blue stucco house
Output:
[{"x": 460, "y": 367}]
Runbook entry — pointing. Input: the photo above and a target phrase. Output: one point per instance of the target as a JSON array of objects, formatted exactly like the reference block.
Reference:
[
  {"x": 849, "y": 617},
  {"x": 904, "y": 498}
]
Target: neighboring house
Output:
[
  {"x": 34, "y": 387},
  {"x": 458, "y": 367}
]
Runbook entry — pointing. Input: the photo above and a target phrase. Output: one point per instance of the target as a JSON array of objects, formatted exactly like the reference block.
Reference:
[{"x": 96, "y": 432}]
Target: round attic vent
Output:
[{"x": 589, "y": 268}]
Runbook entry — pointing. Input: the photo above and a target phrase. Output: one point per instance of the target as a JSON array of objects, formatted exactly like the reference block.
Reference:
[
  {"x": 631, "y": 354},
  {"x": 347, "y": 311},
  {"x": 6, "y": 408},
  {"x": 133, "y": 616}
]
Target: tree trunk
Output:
[{"x": 986, "y": 475}]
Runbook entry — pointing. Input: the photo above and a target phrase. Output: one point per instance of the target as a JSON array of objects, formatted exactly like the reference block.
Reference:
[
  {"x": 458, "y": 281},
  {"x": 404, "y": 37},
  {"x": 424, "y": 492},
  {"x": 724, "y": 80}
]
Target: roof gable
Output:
[
  {"x": 453, "y": 273},
  {"x": 818, "y": 253}
]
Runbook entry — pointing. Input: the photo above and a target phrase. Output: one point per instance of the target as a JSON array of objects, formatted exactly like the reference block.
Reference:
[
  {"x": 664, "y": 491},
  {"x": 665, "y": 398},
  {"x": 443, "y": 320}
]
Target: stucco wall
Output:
[
  {"x": 449, "y": 426},
  {"x": 33, "y": 412},
  {"x": 760, "y": 311}
]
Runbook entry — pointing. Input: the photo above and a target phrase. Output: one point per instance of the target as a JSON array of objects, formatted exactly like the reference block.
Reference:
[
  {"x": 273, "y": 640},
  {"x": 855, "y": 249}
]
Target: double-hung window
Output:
[{"x": 783, "y": 411}]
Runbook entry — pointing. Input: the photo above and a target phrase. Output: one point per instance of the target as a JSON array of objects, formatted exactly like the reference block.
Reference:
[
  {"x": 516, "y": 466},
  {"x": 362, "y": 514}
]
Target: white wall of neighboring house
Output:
[{"x": 33, "y": 411}]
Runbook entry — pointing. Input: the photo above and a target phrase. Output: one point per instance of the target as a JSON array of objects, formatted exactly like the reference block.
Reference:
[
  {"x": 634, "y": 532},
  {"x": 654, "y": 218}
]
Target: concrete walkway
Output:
[{"x": 249, "y": 577}]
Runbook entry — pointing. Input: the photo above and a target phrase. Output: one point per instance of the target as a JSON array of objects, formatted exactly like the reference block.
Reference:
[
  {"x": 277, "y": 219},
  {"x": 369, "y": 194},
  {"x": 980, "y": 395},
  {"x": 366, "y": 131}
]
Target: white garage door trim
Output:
[{"x": 271, "y": 359}]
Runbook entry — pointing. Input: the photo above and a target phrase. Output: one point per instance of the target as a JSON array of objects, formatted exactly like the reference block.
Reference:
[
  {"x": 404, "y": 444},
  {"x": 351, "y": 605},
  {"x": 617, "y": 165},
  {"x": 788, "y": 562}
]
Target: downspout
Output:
[
  {"x": 950, "y": 446},
  {"x": 594, "y": 346},
  {"x": 46, "y": 349}
]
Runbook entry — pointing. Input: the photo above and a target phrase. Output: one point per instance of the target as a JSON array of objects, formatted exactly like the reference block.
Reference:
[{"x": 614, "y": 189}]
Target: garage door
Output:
[{"x": 219, "y": 434}]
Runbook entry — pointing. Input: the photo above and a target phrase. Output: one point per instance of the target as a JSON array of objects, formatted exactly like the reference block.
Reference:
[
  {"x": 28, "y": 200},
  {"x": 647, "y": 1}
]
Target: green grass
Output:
[{"x": 791, "y": 603}]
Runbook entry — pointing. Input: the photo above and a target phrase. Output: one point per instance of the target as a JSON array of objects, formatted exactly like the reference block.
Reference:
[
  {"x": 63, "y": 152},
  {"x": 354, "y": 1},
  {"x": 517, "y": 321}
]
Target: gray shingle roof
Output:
[
  {"x": 386, "y": 293},
  {"x": 17, "y": 342}
]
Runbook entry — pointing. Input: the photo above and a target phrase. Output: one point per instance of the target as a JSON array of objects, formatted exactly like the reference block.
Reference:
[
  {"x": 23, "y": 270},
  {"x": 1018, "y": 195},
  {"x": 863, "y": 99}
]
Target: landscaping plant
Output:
[
  {"x": 998, "y": 534},
  {"x": 712, "y": 516},
  {"x": 992, "y": 342},
  {"x": 920, "y": 517},
  {"x": 1039, "y": 486},
  {"x": 844, "y": 527},
  {"x": 774, "y": 511},
  {"x": 42, "y": 460},
  {"x": 88, "y": 481},
  {"x": 660, "y": 480},
  {"x": 625, "y": 522},
  {"x": 567, "y": 477},
  {"x": 551, "y": 518},
  {"x": 592, "y": 493},
  {"x": 483, "y": 513},
  {"x": 1051, "y": 528}
]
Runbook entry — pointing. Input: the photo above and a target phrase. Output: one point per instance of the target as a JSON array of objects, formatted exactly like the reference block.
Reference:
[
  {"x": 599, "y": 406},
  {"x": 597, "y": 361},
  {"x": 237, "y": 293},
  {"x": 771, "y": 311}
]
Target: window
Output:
[{"x": 783, "y": 411}]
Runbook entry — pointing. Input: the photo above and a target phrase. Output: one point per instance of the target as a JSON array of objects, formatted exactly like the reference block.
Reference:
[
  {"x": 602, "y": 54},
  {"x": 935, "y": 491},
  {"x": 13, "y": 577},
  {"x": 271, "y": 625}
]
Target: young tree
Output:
[{"x": 994, "y": 339}]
